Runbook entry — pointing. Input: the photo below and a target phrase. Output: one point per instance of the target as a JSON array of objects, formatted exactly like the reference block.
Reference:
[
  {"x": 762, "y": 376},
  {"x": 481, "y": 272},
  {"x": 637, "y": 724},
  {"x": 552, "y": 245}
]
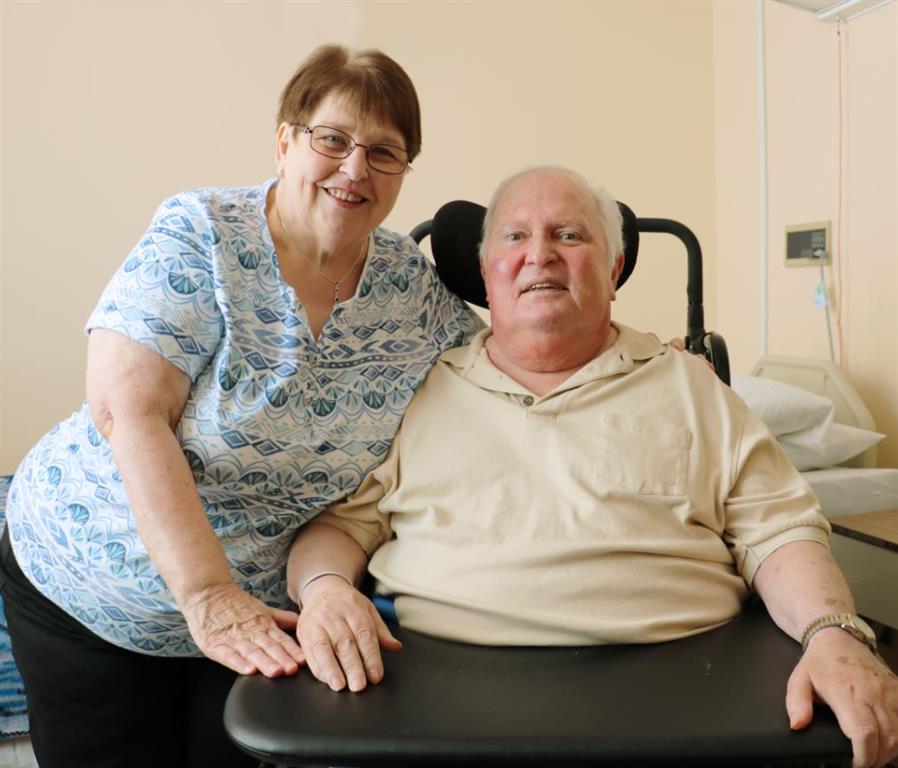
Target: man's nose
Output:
[
  {"x": 355, "y": 166},
  {"x": 541, "y": 251}
]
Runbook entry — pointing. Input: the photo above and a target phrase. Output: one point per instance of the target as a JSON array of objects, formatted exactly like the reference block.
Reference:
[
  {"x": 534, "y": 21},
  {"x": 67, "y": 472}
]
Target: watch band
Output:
[{"x": 849, "y": 622}]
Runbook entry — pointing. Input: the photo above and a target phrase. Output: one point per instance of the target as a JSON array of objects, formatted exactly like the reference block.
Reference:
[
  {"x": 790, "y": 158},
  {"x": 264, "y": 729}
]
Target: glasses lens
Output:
[
  {"x": 387, "y": 159},
  {"x": 331, "y": 142},
  {"x": 334, "y": 143}
]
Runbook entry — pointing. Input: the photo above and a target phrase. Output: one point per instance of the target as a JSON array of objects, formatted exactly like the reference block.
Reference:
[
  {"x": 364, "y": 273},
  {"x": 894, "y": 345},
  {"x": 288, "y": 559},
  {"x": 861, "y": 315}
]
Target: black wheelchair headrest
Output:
[{"x": 455, "y": 237}]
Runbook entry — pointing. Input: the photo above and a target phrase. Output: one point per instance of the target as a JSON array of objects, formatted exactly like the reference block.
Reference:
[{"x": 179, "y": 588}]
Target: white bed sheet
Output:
[{"x": 849, "y": 490}]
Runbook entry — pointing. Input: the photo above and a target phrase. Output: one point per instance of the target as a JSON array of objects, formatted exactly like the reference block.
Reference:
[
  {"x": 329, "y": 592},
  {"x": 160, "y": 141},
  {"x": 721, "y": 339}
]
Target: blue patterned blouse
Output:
[{"x": 277, "y": 425}]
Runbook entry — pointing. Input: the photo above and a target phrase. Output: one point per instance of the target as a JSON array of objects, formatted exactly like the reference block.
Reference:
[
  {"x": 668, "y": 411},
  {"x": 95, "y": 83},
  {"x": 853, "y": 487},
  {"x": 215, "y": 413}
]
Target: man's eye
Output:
[
  {"x": 570, "y": 237},
  {"x": 513, "y": 237}
]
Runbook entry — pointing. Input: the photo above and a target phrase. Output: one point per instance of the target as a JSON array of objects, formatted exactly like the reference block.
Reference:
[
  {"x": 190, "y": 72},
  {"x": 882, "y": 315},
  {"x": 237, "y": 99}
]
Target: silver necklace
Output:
[{"x": 312, "y": 264}]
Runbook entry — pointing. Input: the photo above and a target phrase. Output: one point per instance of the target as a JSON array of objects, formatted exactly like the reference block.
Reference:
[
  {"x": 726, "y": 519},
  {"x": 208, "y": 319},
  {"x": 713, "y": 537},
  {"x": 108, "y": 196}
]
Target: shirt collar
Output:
[{"x": 630, "y": 347}]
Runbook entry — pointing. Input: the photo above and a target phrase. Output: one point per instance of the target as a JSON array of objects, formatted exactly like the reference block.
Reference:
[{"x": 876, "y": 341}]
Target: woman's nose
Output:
[{"x": 355, "y": 166}]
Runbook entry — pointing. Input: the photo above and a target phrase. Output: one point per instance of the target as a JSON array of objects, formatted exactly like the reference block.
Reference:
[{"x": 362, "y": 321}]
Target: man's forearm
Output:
[
  {"x": 800, "y": 582},
  {"x": 323, "y": 549}
]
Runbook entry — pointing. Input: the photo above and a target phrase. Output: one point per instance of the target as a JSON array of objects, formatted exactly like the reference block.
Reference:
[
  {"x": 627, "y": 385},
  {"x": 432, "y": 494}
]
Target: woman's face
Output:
[{"x": 337, "y": 201}]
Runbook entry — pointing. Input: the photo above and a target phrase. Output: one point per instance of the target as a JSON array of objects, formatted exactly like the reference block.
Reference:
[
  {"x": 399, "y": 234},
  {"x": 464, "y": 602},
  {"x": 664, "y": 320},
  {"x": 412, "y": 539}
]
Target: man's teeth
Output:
[
  {"x": 343, "y": 195},
  {"x": 541, "y": 287}
]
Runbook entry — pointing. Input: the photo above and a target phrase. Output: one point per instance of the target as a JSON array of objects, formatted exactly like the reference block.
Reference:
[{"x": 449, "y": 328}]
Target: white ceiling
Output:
[
  {"x": 809, "y": 5},
  {"x": 851, "y": 8}
]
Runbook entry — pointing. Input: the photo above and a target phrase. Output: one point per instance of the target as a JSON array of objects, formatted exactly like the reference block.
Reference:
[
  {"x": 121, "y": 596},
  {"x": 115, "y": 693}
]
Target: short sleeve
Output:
[
  {"x": 360, "y": 516},
  {"x": 164, "y": 294},
  {"x": 769, "y": 504}
]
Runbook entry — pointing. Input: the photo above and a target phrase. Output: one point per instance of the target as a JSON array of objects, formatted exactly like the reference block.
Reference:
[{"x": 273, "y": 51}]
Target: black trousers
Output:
[{"x": 94, "y": 705}]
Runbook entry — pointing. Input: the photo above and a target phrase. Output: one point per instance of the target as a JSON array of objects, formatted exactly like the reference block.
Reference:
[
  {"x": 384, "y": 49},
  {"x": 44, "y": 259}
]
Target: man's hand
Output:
[
  {"x": 235, "y": 629},
  {"x": 341, "y": 634},
  {"x": 858, "y": 688}
]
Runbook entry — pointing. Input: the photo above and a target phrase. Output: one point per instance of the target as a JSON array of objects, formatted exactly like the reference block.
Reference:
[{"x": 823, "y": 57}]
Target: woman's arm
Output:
[
  {"x": 800, "y": 582},
  {"x": 136, "y": 398},
  {"x": 339, "y": 629}
]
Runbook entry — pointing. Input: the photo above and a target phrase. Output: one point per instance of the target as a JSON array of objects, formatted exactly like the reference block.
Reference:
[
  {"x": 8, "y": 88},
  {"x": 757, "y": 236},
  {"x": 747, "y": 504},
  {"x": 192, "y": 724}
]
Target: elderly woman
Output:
[{"x": 248, "y": 364}]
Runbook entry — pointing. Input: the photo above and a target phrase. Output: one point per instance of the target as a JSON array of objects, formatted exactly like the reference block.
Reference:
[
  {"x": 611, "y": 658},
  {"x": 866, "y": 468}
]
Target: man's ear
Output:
[
  {"x": 486, "y": 286},
  {"x": 615, "y": 274}
]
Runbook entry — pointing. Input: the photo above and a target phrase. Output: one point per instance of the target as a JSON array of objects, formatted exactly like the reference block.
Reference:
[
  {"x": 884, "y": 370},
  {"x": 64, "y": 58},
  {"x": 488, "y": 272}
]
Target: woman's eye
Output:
[
  {"x": 383, "y": 152},
  {"x": 335, "y": 140}
]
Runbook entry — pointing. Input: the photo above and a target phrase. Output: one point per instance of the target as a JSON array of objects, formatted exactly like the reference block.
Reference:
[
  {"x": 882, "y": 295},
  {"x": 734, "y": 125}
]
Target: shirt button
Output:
[{"x": 528, "y": 401}]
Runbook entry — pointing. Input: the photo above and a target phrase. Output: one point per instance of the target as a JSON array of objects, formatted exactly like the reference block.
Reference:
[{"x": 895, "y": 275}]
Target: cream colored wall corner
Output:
[
  {"x": 109, "y": 107},
  {"x": 802, "y": 61}
]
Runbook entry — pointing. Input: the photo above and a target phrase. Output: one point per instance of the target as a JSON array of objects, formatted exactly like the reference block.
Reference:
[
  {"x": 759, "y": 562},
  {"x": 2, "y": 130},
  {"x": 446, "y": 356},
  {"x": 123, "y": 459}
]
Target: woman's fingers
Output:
[
  {"x": 230, "y": 658},
  {"x": 235, "y": 629},
  {"x": 286, "y": 620}
]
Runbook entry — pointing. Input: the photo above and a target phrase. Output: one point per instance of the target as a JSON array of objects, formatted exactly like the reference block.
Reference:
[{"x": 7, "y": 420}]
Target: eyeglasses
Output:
[{"x": 332, "y": 142}]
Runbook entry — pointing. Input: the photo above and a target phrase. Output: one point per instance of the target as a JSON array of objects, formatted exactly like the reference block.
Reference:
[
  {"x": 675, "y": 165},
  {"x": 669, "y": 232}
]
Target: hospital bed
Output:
[{"x": 856, "y": 484}]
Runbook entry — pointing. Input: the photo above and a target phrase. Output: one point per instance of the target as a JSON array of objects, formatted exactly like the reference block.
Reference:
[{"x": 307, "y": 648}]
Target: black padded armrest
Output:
[{"x": 713, "y": 699}]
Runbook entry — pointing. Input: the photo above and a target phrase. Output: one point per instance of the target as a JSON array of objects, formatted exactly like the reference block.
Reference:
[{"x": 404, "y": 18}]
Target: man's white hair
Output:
[{"x": 610, "y": 218}]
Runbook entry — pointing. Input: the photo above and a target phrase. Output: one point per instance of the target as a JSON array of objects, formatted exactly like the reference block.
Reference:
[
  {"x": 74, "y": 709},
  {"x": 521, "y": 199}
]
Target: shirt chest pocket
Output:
[{"x": 640, "y": 456}]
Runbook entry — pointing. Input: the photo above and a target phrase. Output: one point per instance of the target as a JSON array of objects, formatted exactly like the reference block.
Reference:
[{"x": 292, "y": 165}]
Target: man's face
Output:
[{"x": 547, "y": 269}]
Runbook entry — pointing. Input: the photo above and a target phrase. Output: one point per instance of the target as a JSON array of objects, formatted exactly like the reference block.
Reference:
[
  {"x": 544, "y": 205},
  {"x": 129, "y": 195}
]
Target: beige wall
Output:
[
  {"x": 807, "y": 183},
  {"x": 109, "y": 107}
]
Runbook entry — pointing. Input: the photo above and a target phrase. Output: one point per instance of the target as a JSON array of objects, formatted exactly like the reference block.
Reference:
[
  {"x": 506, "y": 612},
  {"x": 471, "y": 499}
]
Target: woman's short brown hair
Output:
[{"x": 371, "y": 80}]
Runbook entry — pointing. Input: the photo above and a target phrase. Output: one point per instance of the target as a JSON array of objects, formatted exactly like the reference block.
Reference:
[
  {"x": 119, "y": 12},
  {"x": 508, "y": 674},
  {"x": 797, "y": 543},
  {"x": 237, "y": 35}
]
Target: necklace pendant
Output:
[{"x": 336, "y": 293}]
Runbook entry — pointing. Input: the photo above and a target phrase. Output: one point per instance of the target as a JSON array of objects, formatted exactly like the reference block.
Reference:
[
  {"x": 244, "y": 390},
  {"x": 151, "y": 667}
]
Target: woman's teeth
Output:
[{"x": 341, "y": 194}]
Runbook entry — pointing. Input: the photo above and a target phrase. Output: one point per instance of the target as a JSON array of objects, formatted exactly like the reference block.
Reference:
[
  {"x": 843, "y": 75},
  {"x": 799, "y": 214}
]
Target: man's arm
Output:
[
  {"x": 800, "y": 582},
  {"x": 339, "y": 629}
]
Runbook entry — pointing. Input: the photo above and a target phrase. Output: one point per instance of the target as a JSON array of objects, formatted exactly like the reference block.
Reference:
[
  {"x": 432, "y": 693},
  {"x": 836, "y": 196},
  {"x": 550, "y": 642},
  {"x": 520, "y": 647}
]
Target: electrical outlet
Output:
[{"x": 808, "y": 244}]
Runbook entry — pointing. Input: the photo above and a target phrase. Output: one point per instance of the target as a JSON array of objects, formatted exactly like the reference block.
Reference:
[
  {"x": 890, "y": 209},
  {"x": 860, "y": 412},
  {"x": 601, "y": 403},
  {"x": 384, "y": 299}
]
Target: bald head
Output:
[{"x": 607, "y": 213}]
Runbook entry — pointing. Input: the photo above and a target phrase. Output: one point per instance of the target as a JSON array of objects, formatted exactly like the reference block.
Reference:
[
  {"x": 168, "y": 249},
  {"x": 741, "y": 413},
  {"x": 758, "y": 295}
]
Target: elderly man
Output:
[{"x": 567, "y": 480}]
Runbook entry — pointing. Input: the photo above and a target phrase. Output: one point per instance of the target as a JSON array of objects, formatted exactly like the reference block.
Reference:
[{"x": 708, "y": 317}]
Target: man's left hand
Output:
[{"x": 861, "y": 691}]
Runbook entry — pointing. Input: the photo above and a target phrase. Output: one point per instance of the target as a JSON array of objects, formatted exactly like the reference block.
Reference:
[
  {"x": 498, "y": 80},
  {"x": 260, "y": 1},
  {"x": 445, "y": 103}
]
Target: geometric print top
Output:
[{"x": 277, "y": 425}]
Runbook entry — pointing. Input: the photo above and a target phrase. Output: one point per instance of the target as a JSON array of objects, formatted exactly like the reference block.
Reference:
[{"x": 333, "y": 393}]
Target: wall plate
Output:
[{"x": 805, "y": 242}]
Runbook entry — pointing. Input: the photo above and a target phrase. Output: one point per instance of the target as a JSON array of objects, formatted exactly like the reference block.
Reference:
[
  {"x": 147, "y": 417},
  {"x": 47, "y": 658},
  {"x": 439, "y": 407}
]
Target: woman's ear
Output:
[{"x": 281, "y": 144}]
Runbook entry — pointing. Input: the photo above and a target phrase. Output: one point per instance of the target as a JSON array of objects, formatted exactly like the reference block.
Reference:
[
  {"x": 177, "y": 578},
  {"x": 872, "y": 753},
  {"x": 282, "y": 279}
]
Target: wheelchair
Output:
[{"x": 708, "y": 700}]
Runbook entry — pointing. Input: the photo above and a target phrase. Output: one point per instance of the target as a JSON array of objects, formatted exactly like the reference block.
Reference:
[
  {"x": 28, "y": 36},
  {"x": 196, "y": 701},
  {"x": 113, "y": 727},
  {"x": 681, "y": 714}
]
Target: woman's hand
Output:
[
  {"x": 679, "y": 344},
  {"x": 235, "y": 629},
  {"x": 341, "y": 634}
]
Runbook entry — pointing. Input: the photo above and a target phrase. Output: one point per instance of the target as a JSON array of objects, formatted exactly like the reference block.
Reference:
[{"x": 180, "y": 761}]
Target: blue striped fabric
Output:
[{"x": 13, "y": 712}]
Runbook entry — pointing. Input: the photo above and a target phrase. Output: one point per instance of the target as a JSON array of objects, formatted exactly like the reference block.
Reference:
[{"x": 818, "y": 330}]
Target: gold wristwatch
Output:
[{"x": 853, "y": 624}]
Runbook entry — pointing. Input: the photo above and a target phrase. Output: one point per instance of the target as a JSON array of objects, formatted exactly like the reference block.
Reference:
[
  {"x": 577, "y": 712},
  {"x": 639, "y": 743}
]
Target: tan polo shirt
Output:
[{"x": 632, "y": 503}]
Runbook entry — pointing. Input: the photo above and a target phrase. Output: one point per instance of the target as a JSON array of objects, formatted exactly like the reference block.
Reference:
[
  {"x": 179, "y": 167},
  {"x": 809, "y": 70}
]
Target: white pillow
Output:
[
  {"x": 784, "y": 408},
  {"x": 838, "y": 444}
]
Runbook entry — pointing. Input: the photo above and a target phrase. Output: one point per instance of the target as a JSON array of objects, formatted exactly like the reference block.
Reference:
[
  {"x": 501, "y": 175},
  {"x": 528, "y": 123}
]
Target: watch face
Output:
[{"x": 861, "y": 630}]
